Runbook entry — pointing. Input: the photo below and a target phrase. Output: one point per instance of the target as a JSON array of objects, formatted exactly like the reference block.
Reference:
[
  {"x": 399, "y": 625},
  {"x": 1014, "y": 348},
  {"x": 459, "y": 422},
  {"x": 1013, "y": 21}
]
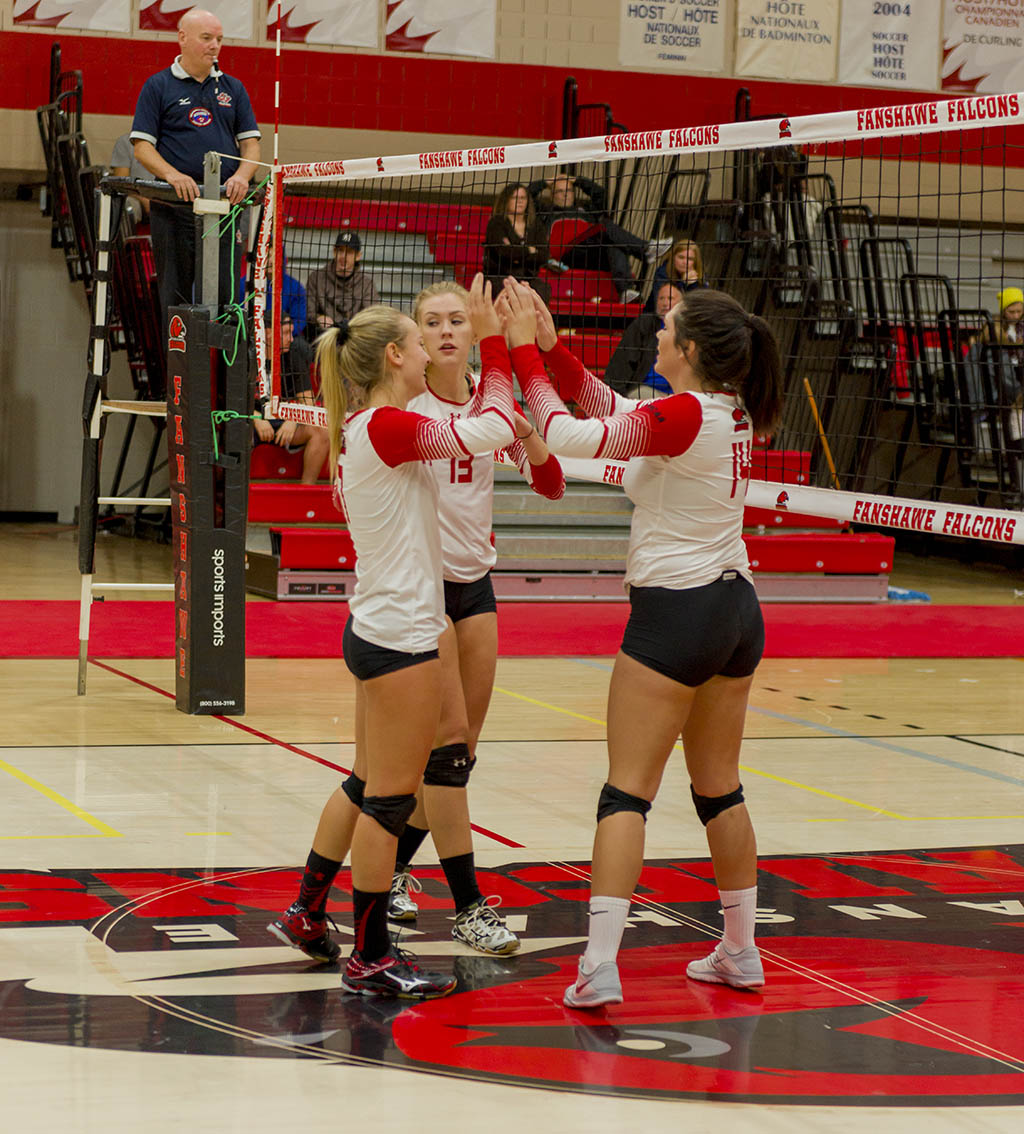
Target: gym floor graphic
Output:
[{"x": 891, "y": 978}]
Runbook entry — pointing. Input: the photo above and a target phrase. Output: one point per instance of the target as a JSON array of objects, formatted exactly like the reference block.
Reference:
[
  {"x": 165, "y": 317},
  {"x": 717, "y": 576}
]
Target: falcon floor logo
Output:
[{"x": 891, "y": 978}]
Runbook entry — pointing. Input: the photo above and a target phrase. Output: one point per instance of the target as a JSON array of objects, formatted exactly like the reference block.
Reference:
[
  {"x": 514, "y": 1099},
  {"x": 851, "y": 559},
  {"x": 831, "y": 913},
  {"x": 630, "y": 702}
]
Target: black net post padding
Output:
[{"x": 208, "y": 514}]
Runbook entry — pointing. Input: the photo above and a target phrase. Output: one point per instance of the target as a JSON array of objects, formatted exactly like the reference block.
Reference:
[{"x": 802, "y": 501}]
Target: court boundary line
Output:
[{"x": 273, "y": 740}]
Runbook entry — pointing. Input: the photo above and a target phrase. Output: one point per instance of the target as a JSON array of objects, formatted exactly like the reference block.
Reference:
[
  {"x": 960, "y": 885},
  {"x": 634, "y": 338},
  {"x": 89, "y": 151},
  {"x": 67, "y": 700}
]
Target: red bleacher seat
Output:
[
  {"x": 569, "y": 231},
  {"x": 292, "y": 504},
  {"x": 582, "y": 287},
  {"x": 271, "y": 462},
  {"x": 315, "y": 549},
  {"x": 781, "y": 466},
  {"x": 866, "y": 553},
  {"x": 592, "y": 348}
]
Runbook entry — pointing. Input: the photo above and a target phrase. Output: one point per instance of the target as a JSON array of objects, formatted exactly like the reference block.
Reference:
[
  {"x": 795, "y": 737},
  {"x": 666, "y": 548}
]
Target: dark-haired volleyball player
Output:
[
  {"x": 396, "y": 613},
  {"x": 695, "y": 632}
]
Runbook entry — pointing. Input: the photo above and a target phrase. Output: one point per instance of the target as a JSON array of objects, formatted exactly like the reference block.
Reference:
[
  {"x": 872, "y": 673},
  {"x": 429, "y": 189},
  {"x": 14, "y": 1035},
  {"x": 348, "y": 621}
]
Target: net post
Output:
[{"x": 208, "y": 510}]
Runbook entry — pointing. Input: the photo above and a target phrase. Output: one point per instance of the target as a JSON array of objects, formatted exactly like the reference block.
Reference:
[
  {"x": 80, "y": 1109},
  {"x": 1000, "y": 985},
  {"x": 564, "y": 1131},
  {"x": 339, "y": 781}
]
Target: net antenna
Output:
[{"x": 869, "y": 240}]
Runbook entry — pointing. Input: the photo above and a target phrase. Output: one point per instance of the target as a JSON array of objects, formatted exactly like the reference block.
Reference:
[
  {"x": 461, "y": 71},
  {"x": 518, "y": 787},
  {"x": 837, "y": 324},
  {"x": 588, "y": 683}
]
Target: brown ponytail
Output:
[{"x": 736, "y": 352}]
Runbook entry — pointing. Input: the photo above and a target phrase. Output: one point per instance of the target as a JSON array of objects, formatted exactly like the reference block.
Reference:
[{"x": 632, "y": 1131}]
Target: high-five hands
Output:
[{"x": 482, "y": 315}]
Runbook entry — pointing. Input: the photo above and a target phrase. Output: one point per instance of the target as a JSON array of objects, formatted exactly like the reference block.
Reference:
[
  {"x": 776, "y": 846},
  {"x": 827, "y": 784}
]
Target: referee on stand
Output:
[{"x": 183, "y": 112}]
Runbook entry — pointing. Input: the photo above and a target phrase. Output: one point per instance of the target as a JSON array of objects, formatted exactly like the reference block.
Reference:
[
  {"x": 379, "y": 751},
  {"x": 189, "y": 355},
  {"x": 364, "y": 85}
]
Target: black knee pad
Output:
[
  {"x": 449, "y": 766},
  {"x": 612, "y": 800},
  {"x": 391, "y": 811},
  {"x": 355, "y": 789},
  {"x": 708, "y": 806}
]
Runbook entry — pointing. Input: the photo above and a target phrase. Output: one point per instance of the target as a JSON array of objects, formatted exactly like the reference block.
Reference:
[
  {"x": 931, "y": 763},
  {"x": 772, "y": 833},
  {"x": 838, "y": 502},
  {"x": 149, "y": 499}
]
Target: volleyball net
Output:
[{"x": 881, "y": 245}]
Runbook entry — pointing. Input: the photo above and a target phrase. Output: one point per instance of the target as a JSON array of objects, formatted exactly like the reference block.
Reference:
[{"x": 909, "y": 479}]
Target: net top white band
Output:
[{"x": 846, "y": 125}]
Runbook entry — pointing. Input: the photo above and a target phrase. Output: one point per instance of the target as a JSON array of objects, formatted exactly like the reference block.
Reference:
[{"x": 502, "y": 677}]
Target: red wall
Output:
[{"x": 414, "y": 93}]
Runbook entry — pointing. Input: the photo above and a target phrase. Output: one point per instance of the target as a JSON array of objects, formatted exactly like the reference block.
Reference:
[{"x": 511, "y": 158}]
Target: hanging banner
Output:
[
  {"x": 163, "y": 15},
  {"x": 352, "y": 23},
  {"x": 91, "y": 15},
  {"x": 890, "y": 45},
  {"x": 788, "y": 39},
  {"x": 984, "y": 46},
  {"x": 442, "y": 27},
  {"x": 683, "y": 35}
]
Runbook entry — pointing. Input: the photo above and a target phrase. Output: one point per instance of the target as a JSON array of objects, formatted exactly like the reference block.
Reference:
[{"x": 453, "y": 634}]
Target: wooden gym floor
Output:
[{"x": 142, "y": 853}]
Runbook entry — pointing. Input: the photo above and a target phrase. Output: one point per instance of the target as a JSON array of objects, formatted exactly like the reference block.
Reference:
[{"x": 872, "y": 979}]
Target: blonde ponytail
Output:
[{"x": 351, "y": 362}]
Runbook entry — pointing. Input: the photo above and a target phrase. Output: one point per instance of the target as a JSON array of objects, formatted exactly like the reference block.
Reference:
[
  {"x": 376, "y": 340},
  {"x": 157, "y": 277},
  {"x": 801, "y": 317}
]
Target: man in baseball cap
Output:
[{"x": 340, "y": 288}]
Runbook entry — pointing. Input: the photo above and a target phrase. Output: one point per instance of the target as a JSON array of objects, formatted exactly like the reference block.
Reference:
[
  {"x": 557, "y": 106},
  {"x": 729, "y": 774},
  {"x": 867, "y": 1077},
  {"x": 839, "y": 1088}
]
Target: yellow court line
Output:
[
  {"x": 553, "y": 708},
  {"x": 743, "y": 767},
  {"x": 57, "y": 798}
]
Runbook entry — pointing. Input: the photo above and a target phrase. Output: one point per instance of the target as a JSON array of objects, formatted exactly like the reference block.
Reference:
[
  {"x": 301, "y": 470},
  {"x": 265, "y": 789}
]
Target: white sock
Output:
[
  {"x": 739, "y": 907},
  {"x": 607, "y": 921}
]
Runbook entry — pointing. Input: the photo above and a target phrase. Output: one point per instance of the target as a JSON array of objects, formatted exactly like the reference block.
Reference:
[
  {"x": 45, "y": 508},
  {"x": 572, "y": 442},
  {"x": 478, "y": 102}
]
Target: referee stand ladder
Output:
[{"x": 207, "y": 411}]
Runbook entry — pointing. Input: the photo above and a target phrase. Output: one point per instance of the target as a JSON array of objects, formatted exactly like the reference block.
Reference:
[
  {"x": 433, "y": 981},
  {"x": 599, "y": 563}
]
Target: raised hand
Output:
[
  {"x": 547, "y": 336},
  {"x": 521, "y": 320},
  {"x": 482, "y": 316}
]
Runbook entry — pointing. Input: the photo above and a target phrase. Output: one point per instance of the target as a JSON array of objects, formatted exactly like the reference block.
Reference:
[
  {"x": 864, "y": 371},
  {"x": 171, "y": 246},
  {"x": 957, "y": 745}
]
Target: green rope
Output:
[
  {"x": 234, "y": 309},
  {"x": 220, "y": 417}
]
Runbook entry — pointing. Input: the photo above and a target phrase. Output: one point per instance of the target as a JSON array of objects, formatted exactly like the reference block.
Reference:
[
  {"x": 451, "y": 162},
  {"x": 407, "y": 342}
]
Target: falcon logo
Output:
[
  {"x": 552, "y": 149},
  {"x": 740, "y": 418},
  {"x": 785, "y": 130},
  {"x": 380, "y": 165},
  {"x": 176, "y": 334},
  {"x": 223, "y": 98},
  {"x": 200, "y": 116},
  {"x": 782, "y": 501}
]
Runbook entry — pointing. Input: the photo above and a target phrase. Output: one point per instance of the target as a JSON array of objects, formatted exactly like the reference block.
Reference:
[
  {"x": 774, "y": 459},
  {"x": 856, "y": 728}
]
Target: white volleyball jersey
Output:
[
  {"x": 688, "y": 509},
  {"x": 392, "y": 518},
  {"x": 390, "y": 499},
  {"x": 466, "y": 490},
  {"x": 689, "y": 466}
]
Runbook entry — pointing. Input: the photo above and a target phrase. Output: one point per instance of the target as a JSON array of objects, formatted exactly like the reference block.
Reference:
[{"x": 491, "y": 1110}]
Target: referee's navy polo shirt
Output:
[{"x": 185, "y": 119}]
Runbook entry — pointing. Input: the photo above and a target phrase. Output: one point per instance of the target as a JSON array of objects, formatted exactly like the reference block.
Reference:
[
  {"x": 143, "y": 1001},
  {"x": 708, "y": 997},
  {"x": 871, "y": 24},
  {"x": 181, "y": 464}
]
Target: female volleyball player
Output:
[
  {"x": 469, "y": 645},
  {"x": 468, "y": 650},
  {"x": 695, "y": 632},
  {"x": 396, "y": 612}
]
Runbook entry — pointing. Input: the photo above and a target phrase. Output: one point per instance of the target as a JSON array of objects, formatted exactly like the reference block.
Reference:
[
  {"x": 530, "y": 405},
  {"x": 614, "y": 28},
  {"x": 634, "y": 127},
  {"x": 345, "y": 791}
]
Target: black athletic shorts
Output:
[
  {"x": 366, "y": 661},
  {"x": 463, "y": 600},
  {"x": 691, "y": 635}
]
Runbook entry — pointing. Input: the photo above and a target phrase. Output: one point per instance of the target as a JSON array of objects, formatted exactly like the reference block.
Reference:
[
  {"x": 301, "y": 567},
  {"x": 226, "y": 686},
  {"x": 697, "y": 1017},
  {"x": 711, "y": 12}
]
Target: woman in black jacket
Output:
[{"x": 515, "y": 243}]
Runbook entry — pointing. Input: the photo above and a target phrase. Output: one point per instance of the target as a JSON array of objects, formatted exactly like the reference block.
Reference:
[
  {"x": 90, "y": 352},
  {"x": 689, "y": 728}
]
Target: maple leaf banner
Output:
[
  {"x": 352, "y": 23},
  {"x": 89, "y": 15},
  {"x": 163, "y": 15},
  {"x": 982, "y": 49},
  {"x": 442, "y": 27}
]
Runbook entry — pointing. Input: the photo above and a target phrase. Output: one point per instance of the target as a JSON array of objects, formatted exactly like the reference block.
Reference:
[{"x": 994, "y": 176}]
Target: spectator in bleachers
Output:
[
  {"x": 184, "y": 111},
  {"x": 608, "y": 246},
  {"x": 630, "y": 370},
  {"x": 682, "y": 266},
  {"x": 1010, "y": 362},
  {"x": 296, "y": 386},
  {"x": 293, "y": 294},
  {"x": 341, "y": 288},
  {"x": 515, "y": 243}
]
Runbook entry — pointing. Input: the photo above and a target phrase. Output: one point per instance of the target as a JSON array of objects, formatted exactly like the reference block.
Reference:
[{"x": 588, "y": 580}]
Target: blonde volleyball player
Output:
[
  {"x": 469, "y": 645},
  {"x": 695, "y": 632},
  {"x": 396, "y": 616}
]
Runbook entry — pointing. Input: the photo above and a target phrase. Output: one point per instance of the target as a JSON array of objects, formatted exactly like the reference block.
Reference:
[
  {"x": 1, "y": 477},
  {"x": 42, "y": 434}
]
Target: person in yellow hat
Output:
[{"x": 1011, "y": 310}]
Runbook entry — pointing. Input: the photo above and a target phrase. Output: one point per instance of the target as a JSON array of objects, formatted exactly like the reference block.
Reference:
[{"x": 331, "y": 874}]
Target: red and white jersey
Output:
[
  {"x": 390, "y": 500},
  {"x": 689, "y": 465},
  {"x": 466, "y": 489}
]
